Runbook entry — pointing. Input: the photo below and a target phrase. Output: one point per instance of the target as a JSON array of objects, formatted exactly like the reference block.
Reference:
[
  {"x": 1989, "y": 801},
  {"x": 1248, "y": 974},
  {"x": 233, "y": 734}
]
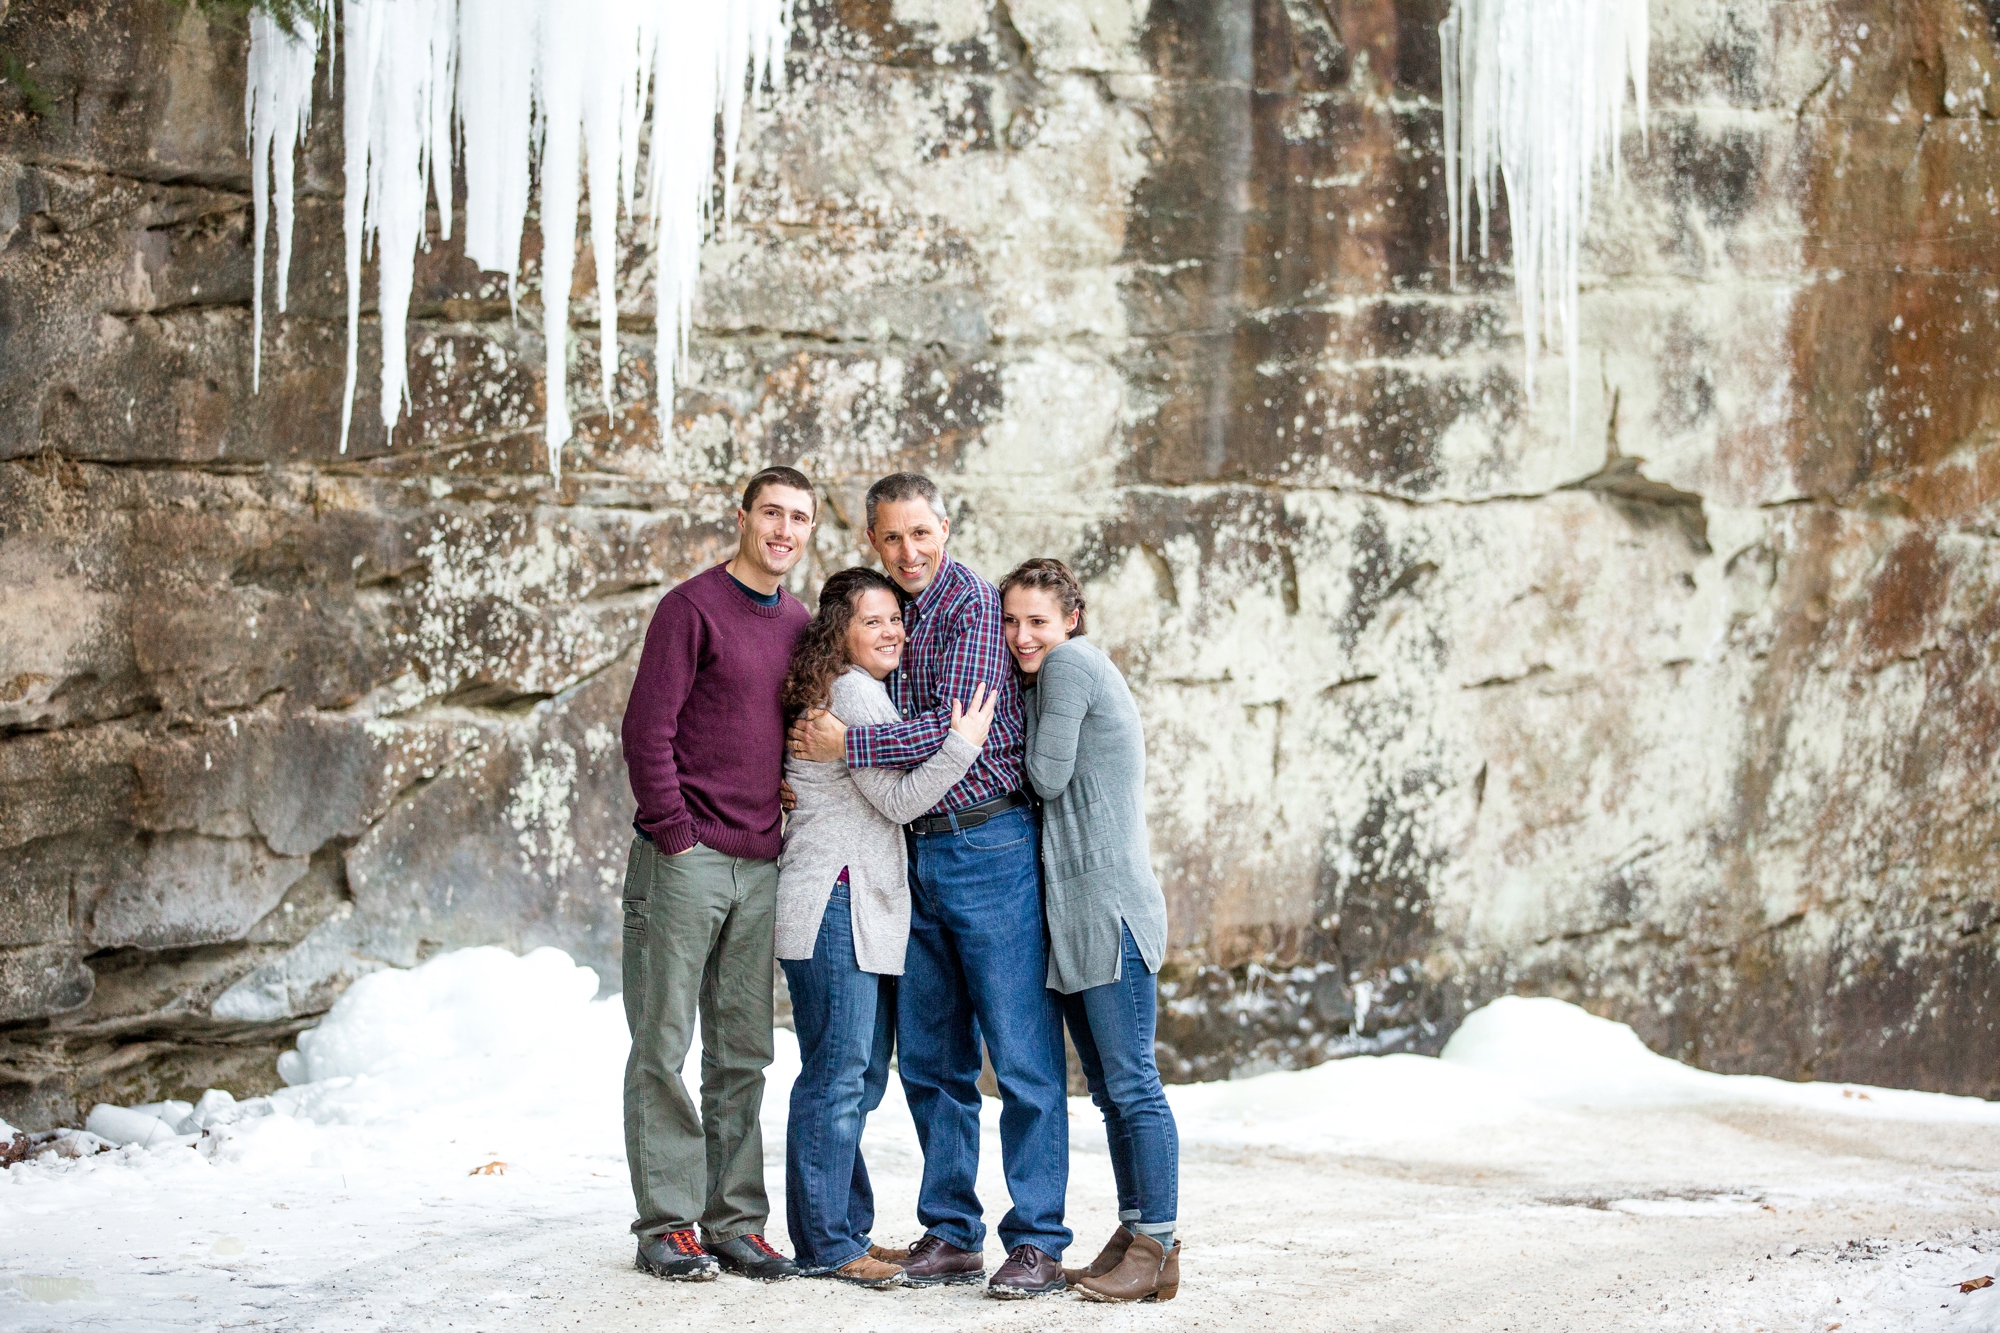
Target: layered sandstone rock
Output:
[{"x": 1687, "y": 710}]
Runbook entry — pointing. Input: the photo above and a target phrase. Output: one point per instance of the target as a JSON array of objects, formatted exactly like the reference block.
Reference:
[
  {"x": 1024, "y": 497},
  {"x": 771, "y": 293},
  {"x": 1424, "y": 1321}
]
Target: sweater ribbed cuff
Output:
[
  {"x": 673, "y": 839},
  {"x": 736, "y": 842}
]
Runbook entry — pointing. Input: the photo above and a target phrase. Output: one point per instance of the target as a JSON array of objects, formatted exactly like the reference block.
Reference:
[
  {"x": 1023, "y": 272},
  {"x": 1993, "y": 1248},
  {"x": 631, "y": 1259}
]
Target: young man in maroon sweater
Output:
[{"x": 705, "y": 743}]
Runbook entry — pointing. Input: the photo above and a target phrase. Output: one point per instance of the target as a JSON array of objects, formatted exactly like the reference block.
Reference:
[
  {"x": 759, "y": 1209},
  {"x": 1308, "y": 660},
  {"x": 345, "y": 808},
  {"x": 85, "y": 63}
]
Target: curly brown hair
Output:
[
  {"x": 1053, "y": 577},
  {"x": 820, "y": 653}
]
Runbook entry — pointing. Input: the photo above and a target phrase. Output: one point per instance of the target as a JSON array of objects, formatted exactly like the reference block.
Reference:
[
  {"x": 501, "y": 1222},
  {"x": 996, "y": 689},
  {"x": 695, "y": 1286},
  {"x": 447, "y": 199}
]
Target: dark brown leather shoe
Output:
[
  {"x": 1106, "y": 1260},
  {"x": 933, "y": 1263},
  {"x": 1027, "y": 1272},
  {"x": 1146, "y": 1273}
]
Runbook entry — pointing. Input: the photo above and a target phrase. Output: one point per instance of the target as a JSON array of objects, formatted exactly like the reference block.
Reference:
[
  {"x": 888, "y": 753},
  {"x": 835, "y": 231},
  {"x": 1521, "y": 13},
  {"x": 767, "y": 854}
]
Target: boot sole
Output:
[
  {"x": 758, "y": 1277},
  {"x": 1148, "y": 1299},
  {"x": 866, "y": 1284},
  {"x": 1024, "y": 1294},
  {"x": 699, "y": 1275},
  {"x": 949, "y": 1280}
]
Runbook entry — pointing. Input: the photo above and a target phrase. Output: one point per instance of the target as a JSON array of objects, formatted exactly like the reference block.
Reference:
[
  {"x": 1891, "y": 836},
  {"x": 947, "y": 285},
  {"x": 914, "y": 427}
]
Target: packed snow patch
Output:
[
  {"x": 522, "y": 1048},
  {"x": 1516, "y": 1056},
  {"x": 1551, "y": 1052},
  {"x": 445, "y": 1125}
]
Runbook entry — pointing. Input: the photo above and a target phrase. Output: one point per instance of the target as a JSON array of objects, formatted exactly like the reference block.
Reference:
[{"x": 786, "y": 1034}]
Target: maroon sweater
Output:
[{"x": 704, "y": 733}]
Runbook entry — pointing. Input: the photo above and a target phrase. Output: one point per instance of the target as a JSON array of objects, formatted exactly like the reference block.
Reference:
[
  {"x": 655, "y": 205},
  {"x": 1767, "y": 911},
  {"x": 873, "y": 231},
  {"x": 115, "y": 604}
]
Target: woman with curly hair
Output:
[
  {"x": 844, "y": 917},
  {"x": 1107, "y": 918}
]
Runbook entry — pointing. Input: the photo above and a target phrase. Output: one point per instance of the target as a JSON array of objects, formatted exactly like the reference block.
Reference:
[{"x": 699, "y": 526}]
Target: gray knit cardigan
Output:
[{"x": 1087, "y": 761}]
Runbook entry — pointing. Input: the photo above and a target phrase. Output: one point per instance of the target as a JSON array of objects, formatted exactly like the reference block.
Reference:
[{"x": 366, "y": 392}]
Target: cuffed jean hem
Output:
[{"x": 959, "y": 1238}]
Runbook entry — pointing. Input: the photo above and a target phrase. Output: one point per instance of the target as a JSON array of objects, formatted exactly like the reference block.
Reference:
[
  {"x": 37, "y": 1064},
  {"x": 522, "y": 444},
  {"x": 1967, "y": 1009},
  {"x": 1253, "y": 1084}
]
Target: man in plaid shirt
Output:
[{"x": 977, "y": 960}]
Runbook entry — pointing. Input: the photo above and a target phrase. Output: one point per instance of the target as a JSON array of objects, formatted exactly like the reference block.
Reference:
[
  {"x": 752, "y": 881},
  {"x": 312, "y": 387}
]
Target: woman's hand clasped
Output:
[{"x": 973, "y": 723}]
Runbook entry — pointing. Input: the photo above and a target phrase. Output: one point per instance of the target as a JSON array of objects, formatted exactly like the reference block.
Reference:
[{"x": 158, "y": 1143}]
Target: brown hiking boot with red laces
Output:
[{"x": 676, "y": 1256}]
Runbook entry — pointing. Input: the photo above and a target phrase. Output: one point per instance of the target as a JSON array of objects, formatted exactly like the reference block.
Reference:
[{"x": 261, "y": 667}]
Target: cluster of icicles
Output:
[
  {"x": 1534, "y": 94},
  {"x": 506, "y": 88}
]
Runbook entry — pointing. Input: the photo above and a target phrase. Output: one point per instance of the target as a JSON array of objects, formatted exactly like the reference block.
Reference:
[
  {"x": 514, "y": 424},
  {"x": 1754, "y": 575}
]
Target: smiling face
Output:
[
  {"x": 910, "y": 538},
  {"x": 875, "y": 633},
  {"x": 1034, "y": 622},
  {"x": 772, "y": 536}
]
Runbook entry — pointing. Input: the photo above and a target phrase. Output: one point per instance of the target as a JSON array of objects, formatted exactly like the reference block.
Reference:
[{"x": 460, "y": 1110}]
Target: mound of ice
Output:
[
  {"x": 1361, "y": 1099},
  {"x": 474, "y": 1003},
  {"x": 1515, "y": 1056},
  {"x": 477, "y": 1028},
  {"x": 142, "y": 1125},
  {"x": 1551, "y": 1052}
]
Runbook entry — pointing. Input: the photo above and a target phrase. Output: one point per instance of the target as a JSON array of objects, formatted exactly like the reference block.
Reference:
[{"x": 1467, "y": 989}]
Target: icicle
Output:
[
  {"x": 685, "y": 90},
  {"x": 608, "y": 93},
  {"x": 277, "y": 108},
  {"x": 399, "y": 179},
  {"x": 363, "y": 24},
  {"x": 559, "y": 92},
  {"x": 1534, "y": 93},
  {"x": 496, "y": 91},
  {"x": 564, "y": 86}
]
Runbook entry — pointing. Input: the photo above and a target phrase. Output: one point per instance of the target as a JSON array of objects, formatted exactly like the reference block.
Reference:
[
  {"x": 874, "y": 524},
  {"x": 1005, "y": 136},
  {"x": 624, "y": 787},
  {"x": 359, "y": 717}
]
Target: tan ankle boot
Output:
[
  {"x": 1106, "y": 1260},
  {"x": 1170, "y": 1275},
  {"x": 867, "y": 1271},
  {"x": 1146, "y": 1273}
]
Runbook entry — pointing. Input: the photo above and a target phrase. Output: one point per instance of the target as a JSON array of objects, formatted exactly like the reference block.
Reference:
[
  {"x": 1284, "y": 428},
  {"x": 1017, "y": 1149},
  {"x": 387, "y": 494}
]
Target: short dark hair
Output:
[
  {"x": 779, "y": 476},
  {"x": 905, "y": 486},
  {"x": 1052, "y": 577}
]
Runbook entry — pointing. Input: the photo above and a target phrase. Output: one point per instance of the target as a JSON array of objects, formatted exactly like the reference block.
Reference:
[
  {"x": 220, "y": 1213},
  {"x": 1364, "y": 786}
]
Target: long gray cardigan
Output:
[
  {"x": 854, "y": 818},
  {"x": 1087, "y": 761}
]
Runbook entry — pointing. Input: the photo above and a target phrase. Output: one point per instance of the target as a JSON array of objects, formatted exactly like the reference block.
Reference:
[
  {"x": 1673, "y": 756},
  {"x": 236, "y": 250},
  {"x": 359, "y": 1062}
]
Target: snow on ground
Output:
[{"x": 449, "y": 1156}]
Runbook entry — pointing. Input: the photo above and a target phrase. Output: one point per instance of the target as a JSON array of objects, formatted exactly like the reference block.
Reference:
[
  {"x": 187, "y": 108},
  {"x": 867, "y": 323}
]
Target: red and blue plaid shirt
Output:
[{"x": 954, "y": 643}]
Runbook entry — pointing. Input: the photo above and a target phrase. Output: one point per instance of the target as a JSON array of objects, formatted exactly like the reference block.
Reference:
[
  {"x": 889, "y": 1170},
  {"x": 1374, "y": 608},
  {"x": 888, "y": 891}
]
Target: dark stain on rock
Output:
[
  {"x": 1687, "y": 377},
  {"x": 1721, "y": 172},
  {"x": 1249, "y": 223},
  {"x": 933, "y": 409},
  {"x": 1904, "y": 598}
]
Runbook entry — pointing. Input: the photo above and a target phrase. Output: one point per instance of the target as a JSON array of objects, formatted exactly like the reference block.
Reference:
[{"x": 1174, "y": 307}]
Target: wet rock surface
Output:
[{"x": 1685, "y": 708}]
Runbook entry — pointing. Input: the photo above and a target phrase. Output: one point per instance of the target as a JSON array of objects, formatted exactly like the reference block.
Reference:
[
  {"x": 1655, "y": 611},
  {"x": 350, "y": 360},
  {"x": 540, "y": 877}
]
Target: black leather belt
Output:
[{"x": 970, "y": 817}]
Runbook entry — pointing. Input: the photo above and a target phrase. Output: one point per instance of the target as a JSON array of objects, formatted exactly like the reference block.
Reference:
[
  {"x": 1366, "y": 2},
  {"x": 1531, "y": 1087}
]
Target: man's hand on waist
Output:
[{"x": 818, "y": 736}]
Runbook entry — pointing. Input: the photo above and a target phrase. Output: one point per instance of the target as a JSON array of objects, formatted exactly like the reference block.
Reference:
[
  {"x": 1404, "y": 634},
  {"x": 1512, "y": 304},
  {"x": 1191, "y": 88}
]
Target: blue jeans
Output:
[
  {"x": 1112, "y": 1028},
  {"x": 977, "y": 965},
  {"x": 845, "y": 1019}
]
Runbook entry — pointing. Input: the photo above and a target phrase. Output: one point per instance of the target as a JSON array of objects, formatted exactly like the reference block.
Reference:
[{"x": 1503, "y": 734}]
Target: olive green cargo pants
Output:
[{"x": 699, "y": 935}]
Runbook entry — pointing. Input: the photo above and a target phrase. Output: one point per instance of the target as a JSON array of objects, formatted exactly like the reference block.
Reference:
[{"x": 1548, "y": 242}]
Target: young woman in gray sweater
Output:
[
  {"x": 844, "y": 917},
  {"x": 1107, "y": 919}
]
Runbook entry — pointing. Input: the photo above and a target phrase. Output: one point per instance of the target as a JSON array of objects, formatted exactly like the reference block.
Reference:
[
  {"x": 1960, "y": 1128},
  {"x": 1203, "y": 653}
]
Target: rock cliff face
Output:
[{"x": 1688, "y": 711}]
